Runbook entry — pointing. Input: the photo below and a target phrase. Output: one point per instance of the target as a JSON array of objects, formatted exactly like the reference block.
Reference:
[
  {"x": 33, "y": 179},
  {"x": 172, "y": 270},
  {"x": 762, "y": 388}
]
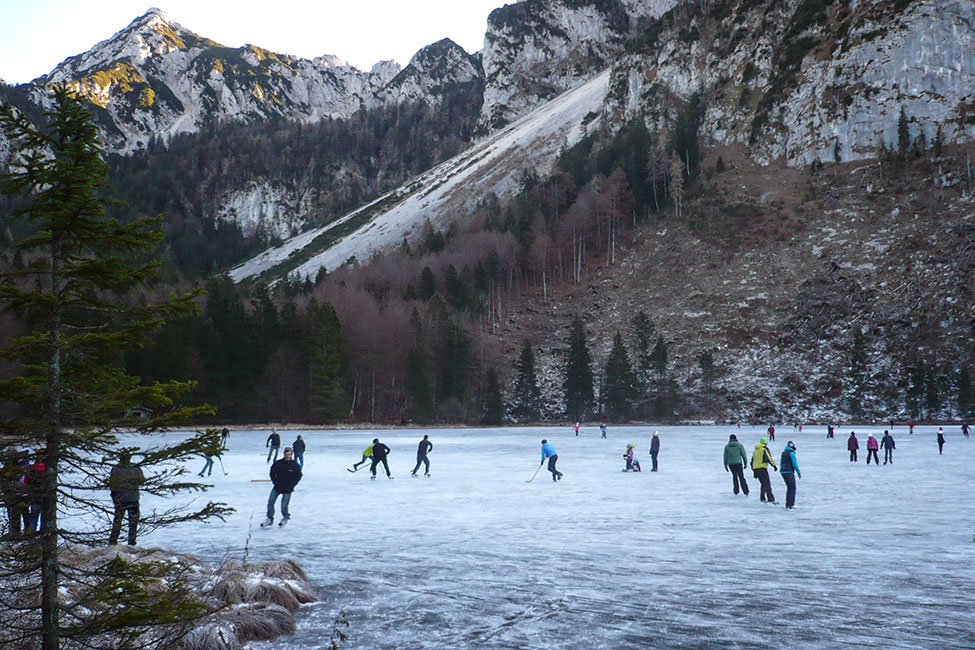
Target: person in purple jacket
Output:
[
  {"x": 872, "y": 447},
  {"x": 852, "y": 444},
  {"x": 548, "y": 451}
]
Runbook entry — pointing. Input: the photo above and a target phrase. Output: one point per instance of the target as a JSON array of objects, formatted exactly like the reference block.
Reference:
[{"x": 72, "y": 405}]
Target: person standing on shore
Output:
[
  {"x": 761, "y": 459},
  {"x": 124, "y": 482},
  {"x": 424, "y": 448},
  {"x": 734, "y": 461},
  {"x": 789, "y": 469},
  {"x": 654, "y": 450},
  {"x": 274, "y": 442},
  {"x": 548, "y": 451}
]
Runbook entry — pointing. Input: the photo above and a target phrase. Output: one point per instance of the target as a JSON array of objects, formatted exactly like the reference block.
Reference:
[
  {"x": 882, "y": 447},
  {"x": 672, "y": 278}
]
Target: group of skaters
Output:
[
  {"x": 735, "y": 459},
  {"x": 633, "y": 464},
  {"x": 23, "y": 483},
  {"x": 377, "y": 453}
]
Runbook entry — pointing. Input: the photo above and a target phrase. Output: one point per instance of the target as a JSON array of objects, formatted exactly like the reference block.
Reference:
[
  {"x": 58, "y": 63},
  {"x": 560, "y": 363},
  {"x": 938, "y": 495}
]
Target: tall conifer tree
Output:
[
  {"x": 527, "y": 397},
  {"x": 578, "y": 380},
  {"x": 620, "y": 387}
]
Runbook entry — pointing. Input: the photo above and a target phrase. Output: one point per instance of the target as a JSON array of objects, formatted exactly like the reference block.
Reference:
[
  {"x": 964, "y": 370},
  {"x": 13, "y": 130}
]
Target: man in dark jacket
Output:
[
  {"x": 379, "y": 453},
  {"x": 299, "y": 448},
  {"x": 654, "y": 450},
  {"x": 285, "y": 474},
  {"x": 888, "y": 444},
  {"x": 274, "y": 442},
  {"x": 124, "y": 482},
  {"x": 424, "y": 448},
  {"x": 734, "y": 460}
]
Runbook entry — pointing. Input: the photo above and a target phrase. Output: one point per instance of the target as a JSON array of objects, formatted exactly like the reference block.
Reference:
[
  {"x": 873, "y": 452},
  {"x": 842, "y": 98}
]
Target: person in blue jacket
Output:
[
  {"x": 548, "y": 451},
  {"x": 789, "y": 469}
]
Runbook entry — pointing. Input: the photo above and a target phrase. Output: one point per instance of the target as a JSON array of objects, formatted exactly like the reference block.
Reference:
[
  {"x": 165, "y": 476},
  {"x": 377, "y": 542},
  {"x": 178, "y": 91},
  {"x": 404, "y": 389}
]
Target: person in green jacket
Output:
[
  {"x": 366, "y": 457},
  {"x": 734, "y": 462},
  {"x": 761, "y": 459}
]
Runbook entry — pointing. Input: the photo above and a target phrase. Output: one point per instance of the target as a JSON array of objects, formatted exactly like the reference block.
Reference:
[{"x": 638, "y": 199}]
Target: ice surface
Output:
[{"x": 475, "y": 557}]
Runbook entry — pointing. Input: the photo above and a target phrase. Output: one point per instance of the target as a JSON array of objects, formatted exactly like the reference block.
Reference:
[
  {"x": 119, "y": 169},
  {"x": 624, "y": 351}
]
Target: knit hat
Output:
[
  {"x": 733, "y": 437},
  {"x": 763, "y": 440}
]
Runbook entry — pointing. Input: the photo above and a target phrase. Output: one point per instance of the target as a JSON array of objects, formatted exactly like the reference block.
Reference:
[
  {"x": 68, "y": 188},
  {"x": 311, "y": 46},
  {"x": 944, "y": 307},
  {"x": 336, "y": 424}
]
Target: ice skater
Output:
[
  {"x": 424, "y": 448},
  {"x": 829, "y": 431},
  {"x": 789, "y": 469},
  {"x": 602, "y": 430},
  {"x": 910, "y": 429},
  {"x": 285, "y": 475},
  {"x": 299, "y": 448},
  {"x": 872, "y": 447},
  {"x": 224, "y": 437},
  {"x": 628, "y": 457},
  {"x": 274, "y": 442},
  {"x": 734, "y": 460},
  {"x": 964, "y": 429},
  {"x": 941, "y": 440},
  {"x": 852, "y": 444},
  {"x": 379, "y": 454},
  {"x": 771, "y": 433},
  {"x": 576, "y": 427},
  {"x": 548, "y": 451},
  {"x": 208, "y": 467},
  {"x": 654, "y": 450},
  {"x": 761, "y": 459},
  {"x": 366, "y": 457},
  {"x": 888, "y": 444}
]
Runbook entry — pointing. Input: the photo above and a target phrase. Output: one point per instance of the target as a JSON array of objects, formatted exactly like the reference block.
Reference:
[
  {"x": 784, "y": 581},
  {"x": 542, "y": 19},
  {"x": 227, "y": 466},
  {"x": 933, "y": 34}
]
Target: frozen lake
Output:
[{"x": 475, "y": 557}]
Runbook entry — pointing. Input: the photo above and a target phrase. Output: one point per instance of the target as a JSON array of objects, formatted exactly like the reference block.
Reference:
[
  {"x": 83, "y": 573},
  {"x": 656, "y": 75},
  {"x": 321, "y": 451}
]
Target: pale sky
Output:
[{"x": 36, "y": 35}]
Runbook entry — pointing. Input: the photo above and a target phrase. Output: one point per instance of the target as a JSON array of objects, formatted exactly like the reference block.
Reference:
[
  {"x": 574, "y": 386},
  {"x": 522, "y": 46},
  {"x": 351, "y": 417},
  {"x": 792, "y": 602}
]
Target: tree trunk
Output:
[{"x": 50, "y": 568}]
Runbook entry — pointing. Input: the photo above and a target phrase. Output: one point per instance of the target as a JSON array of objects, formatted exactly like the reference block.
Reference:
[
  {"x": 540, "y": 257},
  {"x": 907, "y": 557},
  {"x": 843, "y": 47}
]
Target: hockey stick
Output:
[
  {"x": 535, "y": 474},
  {"x": 221, "y": 465}
]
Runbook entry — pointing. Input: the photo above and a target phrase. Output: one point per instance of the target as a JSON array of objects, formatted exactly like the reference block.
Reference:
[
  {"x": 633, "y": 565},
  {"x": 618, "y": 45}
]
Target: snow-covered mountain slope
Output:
[
  {"x": 157, "y": 78},
  {"x": 493, "y": 165}
]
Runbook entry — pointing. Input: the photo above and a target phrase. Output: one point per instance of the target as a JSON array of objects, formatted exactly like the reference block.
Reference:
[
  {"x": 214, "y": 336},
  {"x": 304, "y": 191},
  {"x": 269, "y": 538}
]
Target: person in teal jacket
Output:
[
  {"x": 789, "y": 469},
  {"x": 548, "y": 451}
]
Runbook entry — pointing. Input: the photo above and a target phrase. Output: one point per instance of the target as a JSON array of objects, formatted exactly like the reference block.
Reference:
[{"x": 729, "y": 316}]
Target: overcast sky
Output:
[{"x": 36, "y": 35}]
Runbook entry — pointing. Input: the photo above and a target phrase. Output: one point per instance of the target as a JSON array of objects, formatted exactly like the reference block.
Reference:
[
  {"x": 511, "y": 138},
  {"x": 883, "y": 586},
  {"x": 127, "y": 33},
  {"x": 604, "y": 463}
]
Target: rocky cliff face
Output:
[
  {"x": 156, "y": 78},
  {"x": 804, "y": 80}
]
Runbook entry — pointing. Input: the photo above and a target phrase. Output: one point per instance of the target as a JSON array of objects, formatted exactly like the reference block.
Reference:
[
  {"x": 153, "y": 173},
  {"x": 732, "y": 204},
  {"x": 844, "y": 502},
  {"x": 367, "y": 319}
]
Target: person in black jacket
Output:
[
  {"x": 654, "y": 449},
  {"x": 124, "y": 482},
  {"x": 274, "y": 442},
  {"x": 379, "y": 453},
  {"x": 285, "y": 474},
  {"x": 299, "y": 448},
  {"x": 422, "y": 450}
]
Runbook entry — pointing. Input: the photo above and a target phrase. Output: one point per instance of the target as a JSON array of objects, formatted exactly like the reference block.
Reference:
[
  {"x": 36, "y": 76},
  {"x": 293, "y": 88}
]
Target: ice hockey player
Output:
[
  {"x": 548, "y": 451},
  {"x": 887, "y": 442},
  {"x": 761, "y": 459},
  {"x": 872, "y": 447},
  {"x": 379, "y": 453},
  {"x": 734, "y": 460},
  {"x": 424, "y": 448},
  {"x": 366, "y": 457},
  {"x": 285, "y": 474},
  {"x": 274, "y": 442},
  {"x": 789, "y": 469},
  {"x": 852, "y": 444}
]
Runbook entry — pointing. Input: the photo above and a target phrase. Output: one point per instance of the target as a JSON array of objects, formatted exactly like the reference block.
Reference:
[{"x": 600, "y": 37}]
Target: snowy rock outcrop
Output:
[{"x": 430, "y": 72}]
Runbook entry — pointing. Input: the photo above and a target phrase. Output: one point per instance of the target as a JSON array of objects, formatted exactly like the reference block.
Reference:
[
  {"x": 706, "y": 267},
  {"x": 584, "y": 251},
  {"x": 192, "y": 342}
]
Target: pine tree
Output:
[
  {"x": 677, "y": 184},
  {"x": 658, "y": 359},
  {"x": 527, "y": 397},
  {"x": 420, "y": 400},
  {"x": 858, "y": 374},
  {"x": 620, "y": 387},
  {"x": 493, "y": 402},
  {"x": 578, "y": 382},
  {"x": 643, "y": 332},
  {"x": 966, "y": 403},
  {"x": 325, "y": 352},
  {"x": 70, "y": 394}
]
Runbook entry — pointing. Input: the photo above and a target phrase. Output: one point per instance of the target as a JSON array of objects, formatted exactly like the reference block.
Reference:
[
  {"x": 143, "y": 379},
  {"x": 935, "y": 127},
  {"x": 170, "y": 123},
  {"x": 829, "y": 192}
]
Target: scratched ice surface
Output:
[{"x": 476, "y": 557}]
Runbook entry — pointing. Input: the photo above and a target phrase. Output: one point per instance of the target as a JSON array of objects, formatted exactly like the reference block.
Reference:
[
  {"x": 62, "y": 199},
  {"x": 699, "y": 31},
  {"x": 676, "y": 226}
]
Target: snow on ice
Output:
[{"x": 476, "y": 557}]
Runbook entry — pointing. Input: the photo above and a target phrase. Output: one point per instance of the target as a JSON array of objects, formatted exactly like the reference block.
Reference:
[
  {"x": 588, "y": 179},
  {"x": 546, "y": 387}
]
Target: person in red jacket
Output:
[
  {"x": 853, "y": 444},
  {"x": 872, "y": 447}
]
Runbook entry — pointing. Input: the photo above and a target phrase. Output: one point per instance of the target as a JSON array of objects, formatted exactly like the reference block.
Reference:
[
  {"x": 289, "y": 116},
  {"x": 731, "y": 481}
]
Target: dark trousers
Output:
[
  {"x": 19, "y": 516},
  {"x": 653, "y": 457},
  {"x": 34, "y": 521},
  {"x": 365, "y": 459},
  {"x": 375, "y": 462},
  {"x": 551, "y": 466},
  {"x": 765, "y": 492},
  {"x": 629, "y": 464},
  {"x": 888, "y": 455},
  {"x": 941, "y": 443},
  {"x": 738, "y": 478},
  {"x": 790, "y": 489},
  {"x": 121, "y": 509},
  {"x": 853, "y": 455},
  {"x": 872, "y": 453},
  {"x": 422, "y": 460},
  {"x": 272, "y": 450}
]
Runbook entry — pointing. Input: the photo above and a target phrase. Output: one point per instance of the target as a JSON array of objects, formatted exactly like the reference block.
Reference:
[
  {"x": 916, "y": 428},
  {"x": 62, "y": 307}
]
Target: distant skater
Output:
[
  {"x": 964, "y": 429},
  {"x": 366, "y": 457},
  {"x": 379, "y": 454},
  {"x": 548, "y": 451},
  {"x": 888, "y": 444},
  {"x": 789, "y": 469},
  {"x": 910, "y": 429},
  {"x": 829, "y": 431},
  {"x": 577, "y": 428},
  {"x": 771, "y": 433},
  {"x": 761, "y": 459},
  {"x": 208, "y": 467},
  {"x": 654, "y": 450},
  {"x": 735, "y": 459},
  {"x": 628, "y": 457},
  {"x": 941, "y": 440},
  {"x": 299, "y": 448},
  {"x": 274, "y": 442},
  {"x": 224, "y": 437},
  {"x": 852, "y": 444},
  {"x": 602, "y": 430},
  {"x": 872, "y": 447},
  {"x": 424, "y": 448},
  {"x": 285, "y": 475}
]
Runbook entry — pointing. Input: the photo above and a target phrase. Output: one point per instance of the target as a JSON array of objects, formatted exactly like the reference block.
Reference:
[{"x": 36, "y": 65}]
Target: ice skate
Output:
[
  {"x": 267, "y": 523},
  {"x": 283, "y": 522}
]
